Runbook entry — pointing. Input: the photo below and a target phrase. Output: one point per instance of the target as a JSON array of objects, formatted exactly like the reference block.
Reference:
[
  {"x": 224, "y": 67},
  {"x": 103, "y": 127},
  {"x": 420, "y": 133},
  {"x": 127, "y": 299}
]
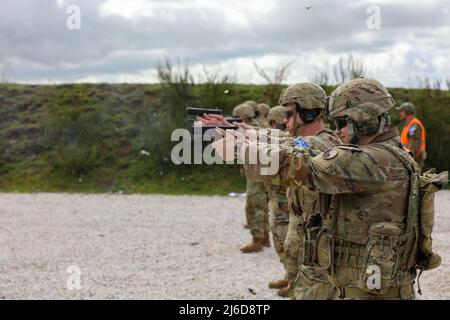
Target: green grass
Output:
[{"x": 88, "y": 137}]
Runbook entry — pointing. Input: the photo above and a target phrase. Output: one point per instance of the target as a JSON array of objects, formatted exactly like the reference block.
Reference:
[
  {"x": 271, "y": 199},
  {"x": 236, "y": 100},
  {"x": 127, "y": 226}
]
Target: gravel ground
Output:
[{"x": 148, "y": 247}]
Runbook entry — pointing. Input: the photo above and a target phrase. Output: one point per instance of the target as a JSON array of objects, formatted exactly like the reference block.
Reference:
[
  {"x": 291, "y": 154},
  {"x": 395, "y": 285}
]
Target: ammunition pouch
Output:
[
  {"x": 380, "y": 264},
  {"x": 381, "y": 261}
]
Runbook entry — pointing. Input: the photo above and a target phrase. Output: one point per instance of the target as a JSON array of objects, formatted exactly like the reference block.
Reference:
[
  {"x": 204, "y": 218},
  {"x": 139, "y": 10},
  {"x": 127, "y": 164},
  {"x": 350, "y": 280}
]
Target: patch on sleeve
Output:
[
  {"x": 301, "y": 143},
  {"x": 328, "y": 159},
  {"x": 330, "y": 154}
]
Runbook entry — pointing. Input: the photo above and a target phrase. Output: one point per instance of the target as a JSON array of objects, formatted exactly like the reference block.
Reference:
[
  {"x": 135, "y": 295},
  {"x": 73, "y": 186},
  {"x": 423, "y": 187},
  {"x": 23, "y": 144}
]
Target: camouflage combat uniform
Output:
[
  {"x": 303, "y": 203},
  {"x": 257, "y": 197},
  {"x": 262, "y": 110},
  {"x": 369, "y": 186},
  {"x": 278, "y": 217},
  {"x": 256, "y": 211},
  {"x": 278, "y": 203},
  {"x": 364, "y": 240},
  {"x": 256, "y": 203}
]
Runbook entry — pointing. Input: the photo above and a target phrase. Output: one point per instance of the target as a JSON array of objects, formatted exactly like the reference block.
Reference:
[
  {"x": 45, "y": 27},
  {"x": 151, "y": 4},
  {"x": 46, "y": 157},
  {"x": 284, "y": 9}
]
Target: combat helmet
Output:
[
  {"x": 307, "y": 95},
  {"x": 243, "y": 110},
  {"x": 276, "y": 114},
  {"x": 252, "y": 103},
  {"x": 363, "y": 103},
  {"x": 310, "y": 100},
  {"x": 263, "y": 109}
]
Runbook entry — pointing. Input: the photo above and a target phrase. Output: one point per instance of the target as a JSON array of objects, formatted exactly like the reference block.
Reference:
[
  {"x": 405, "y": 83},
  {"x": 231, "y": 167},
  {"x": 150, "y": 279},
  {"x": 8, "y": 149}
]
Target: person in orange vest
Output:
[{"x": 413, "y": 134}]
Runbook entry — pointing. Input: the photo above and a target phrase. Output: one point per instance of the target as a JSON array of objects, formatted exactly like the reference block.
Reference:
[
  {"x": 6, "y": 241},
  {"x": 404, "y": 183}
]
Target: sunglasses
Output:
[
  {"x": 340, "y": 123},
  {"x": 287, "y": 114}
]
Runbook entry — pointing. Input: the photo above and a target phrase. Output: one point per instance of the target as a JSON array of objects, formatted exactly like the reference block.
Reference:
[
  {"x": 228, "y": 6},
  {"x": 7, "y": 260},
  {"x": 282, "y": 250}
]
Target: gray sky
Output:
[{"x": 123, "y": 40}]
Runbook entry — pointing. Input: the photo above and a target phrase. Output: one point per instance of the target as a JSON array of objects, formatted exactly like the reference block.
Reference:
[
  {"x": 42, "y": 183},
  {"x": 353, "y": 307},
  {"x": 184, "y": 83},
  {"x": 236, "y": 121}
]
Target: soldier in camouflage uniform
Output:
[
  {"x": 364, "y": 238},
  {"x": 262, "y": 111},
  {"x": 256, "y": 205},
  {"x": 305, "y": 103},
  {"x": 246, "y": 113},
  {"x": 372, "y": 229},
  {"x": 278, "y": 203},
  {"x": 413, "y": 134},
  {"x": 259, "y": 119}
]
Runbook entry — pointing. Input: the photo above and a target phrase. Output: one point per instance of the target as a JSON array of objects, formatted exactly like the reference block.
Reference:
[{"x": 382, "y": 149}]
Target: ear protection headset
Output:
[{"x": 307, "y": 115}]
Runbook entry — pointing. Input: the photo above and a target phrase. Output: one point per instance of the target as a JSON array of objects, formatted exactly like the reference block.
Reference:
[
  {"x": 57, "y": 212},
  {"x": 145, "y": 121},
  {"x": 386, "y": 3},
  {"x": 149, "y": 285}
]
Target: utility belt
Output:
[
  {"x": 382, "y": 260},
  {"x": 404, "y": 292}
]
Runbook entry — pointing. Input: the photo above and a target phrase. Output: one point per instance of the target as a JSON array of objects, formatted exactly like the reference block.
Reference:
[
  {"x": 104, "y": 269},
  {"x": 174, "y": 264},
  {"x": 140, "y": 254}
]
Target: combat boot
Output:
[
  {"x": 255, "y": 246},
  {"x": 266, "y": 241},
  {"x": 278, "y": 284},
  {"x": 285, "y": 292}
]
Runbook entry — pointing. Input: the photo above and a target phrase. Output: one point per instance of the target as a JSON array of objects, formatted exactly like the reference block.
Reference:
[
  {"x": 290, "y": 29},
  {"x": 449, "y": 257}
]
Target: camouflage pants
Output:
[
  {"x": 279, "y": 221},
  {"x": 293, "y": 247},
  {"x": 256, "y": 209},
  {"x": 310, "y": 285}
]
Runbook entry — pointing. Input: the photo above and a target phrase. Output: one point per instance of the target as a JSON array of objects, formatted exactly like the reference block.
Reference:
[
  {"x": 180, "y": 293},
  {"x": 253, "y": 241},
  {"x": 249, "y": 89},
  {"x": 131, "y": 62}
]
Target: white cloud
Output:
[
  {"x": 236, "y": 11},
  {"x": 125, "y": 39},
  {"x": 420, "y": 64}
]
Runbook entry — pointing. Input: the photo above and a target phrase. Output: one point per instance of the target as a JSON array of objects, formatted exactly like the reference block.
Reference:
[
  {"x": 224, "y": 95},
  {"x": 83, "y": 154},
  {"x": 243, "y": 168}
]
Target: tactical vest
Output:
[
  {"x": 303, "y": 201},
  {"x": 406, "y": 141},
  {"x": 383, "y": 259}
]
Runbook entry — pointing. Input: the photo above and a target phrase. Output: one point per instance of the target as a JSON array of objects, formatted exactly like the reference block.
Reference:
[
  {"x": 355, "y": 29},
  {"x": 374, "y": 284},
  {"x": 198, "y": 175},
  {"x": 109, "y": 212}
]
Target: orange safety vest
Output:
[{"x": 406, "y": 141}]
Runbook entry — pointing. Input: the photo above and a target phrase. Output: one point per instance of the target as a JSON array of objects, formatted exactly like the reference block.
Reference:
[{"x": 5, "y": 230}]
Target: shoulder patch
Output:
[
  {"x": 330, "y": 154},
  {"x": 330, "y": 158},
  {"x": 351, "y": 147}
]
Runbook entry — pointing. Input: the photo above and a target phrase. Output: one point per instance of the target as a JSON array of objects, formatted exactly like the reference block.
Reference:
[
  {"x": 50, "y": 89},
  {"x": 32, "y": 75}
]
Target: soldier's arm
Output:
[
  {"x": 262, "y": 156},
  {"x": 348, "y": 171}
]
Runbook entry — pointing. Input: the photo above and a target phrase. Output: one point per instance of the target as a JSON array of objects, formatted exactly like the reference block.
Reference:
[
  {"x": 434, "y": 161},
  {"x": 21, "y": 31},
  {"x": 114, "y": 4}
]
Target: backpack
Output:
[{"x": 420, "y": 220}]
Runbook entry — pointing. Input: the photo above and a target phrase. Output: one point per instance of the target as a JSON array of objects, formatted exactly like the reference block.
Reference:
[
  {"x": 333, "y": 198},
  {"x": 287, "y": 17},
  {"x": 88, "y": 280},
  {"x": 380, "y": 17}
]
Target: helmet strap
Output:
[
  {"x": 355, "y": 139},
  {"x": 385, "y": 120},
  {"x": 351, "y": 127},
  {"x": 352, "y": 132},
  {"x": 307, "y": 115}
]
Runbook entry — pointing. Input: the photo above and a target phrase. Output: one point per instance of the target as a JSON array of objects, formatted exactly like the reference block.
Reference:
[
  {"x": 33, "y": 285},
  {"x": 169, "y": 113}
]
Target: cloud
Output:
[{"x": 125, "y": 39}]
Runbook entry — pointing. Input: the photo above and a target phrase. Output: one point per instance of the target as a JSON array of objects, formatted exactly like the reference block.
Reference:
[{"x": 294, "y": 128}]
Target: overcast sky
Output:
[{"x": 123, "y": 40}]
